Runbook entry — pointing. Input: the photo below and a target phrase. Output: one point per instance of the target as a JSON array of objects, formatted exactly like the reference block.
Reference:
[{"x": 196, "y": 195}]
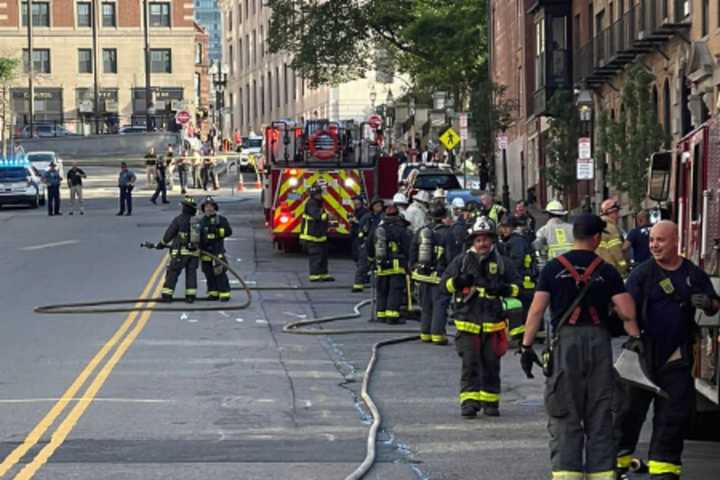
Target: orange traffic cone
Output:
[
  {"x": 258, "y": 184},
  {"x": 241, "y": 184}
]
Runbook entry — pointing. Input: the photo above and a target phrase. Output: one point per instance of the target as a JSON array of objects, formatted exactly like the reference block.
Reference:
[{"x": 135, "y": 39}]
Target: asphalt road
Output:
[{"x": 227, "y": 394}]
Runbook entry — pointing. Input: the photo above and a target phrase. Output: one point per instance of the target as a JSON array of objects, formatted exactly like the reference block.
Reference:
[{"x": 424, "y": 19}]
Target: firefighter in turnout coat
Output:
[
  {"x": 214, "y": 229},
  {"x": 183, "y": 238},
  {"x": 391, "y": 245},
  {"x": 479, "y": 280},
  {"x": 429, "y": 256},
  {"x": 314, "y": 234}
]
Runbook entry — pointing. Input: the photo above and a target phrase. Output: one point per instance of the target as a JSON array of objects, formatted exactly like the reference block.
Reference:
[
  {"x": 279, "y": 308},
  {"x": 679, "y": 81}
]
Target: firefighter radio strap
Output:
[{"x": 573, "y": 311}]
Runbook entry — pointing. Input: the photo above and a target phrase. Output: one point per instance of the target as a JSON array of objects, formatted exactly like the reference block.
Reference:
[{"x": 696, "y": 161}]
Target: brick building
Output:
[{"x": 63, "y": 60}]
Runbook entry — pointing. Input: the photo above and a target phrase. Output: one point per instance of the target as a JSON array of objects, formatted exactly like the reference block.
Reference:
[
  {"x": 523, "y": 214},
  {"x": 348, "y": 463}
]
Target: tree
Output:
[
  {"x": 490, "y": 112},
  {"x": 630, "y": 140},
  {"x": 562, "y": 146},
  {"x": 8, "y": 69}
]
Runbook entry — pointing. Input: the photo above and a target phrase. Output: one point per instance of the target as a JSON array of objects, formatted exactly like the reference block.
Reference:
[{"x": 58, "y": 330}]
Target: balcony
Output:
[{"x": 643, "y": 29}]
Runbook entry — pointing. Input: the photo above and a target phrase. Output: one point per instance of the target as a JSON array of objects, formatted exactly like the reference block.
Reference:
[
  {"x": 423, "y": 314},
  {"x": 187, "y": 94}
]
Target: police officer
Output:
[
  {"x": 428, "y": 259},
  {"x": 51, "y": 178},
  {"x": 183, "y": 238},
  {"x": 578, "y": 390},
  {"x": 367, "y": 226},
  {"x": 314, "y": 234},
  {"x": 478, "y": 280},
  {"x": 668, "y": 289},
  {"x": 214, "y": 229},
  {"x": 391, "y": 244},
  {"x": 611, "y": 246},
  {"x": 638, "y": 239},
  {"x": 490, "y": 209},
  {"x": 556, "y": 236}
]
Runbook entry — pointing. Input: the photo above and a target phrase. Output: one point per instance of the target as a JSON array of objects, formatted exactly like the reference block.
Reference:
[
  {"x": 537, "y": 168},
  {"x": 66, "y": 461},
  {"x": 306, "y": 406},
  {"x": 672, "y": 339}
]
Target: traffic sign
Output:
[
  {"x": 375, "y": 121},
  {"x": 182, "y": 117},
  {"x": 584, "y": 148},
  {"x": 502, "y": 141},
  {"x": 450, "y": 138},
  {"x": 463, "y": 120},
  {"x": 585, "y": 169}
]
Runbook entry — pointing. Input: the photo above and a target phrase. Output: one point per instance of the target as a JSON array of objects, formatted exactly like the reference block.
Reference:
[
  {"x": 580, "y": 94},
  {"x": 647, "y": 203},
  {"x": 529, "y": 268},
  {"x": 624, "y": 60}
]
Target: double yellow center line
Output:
[{"x": 123, "y": 338}]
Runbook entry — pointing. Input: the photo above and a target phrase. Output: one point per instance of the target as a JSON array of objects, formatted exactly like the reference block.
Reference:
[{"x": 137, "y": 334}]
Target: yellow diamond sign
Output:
[{"x": 450, "y": 138}]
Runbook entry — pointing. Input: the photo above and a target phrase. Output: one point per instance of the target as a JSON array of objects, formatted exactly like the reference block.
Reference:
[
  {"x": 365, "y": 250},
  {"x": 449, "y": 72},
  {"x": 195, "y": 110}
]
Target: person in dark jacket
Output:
[
  {"x": 126, "y": 183},
  {"x": 74, "y": 179},
  {"x": 479, "y": 281},
  {"x": 459, "y": 229},
  {"x": 214, "y": 229},
  {"x": 183, "y": 239},
  {"x": 161, "y": 181},
  {"x": 366, "y": 227},
  {"x": 358, "y": 212},
  {"x": 391, "y": 246},
  {"x": 52, "y": 180},
  {"x": 314, "y": 234}
]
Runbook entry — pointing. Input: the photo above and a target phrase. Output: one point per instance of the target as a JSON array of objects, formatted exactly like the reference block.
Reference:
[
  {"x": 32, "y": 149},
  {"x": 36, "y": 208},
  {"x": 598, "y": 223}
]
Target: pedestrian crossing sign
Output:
[{"x": 450, "y": 138}]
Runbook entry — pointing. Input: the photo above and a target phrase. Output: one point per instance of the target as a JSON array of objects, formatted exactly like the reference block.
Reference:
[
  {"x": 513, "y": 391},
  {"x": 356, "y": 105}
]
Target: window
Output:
[
  {"x": 41, "y": 60},
  {"x": 198, "y": 54},
  {"x": 262, "y": 42},
  {"x": 705, "y": 17},
  {"x": 159, "y": 14},
  {"x": 262, "y": 98},
  {"x": 240, "y": 53},
  {"x": 160, "y": 60},
  {"x": 196, "y": 84},
  {"x": 108, "y": 15},
  {"x": 247, "y": 49},
  {"x": 230, "y": 14},
  {"x": 269, "y": 89},
  {"x": 286, "y": 79},
  {"x": 254, "y": 47},
  {"x": 109, "y": 60},
  {"x": 84, "y": 15},
  {"x": 277, "y": 87},
  {"x": 231, "y": 60},
  {"x": 85, "y": 62},
  {"x": 40, "y": 14},
  {"x": 540, "y": 54}
]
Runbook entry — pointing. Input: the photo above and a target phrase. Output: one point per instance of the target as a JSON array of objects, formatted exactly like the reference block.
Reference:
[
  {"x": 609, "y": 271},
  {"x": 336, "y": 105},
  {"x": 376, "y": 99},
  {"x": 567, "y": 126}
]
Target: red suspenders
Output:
[{"x": 581, "y": 279}]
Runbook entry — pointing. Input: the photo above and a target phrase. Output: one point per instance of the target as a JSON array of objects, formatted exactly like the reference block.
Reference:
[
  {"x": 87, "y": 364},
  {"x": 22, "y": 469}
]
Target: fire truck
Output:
[
  {"x": 686, "y": 183},
  {"x": 343, "y": 157}
]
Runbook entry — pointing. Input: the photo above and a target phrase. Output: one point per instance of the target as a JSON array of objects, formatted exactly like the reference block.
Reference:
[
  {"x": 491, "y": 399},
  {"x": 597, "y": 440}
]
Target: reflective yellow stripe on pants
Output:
[
  {"x": 566, "y": 474},
  {"x": 487, "y": 327},
  {"x": 656, "y": 467}
]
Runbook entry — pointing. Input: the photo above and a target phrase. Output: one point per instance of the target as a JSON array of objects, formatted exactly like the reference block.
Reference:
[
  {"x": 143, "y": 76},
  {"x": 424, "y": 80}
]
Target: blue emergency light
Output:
[{"x": 19, "y": 160}]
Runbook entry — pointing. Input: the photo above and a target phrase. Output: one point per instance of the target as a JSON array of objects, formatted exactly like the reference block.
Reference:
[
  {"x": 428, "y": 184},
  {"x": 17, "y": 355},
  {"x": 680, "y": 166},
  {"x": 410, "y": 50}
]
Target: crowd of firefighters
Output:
[{"x": 500, "y": 281}]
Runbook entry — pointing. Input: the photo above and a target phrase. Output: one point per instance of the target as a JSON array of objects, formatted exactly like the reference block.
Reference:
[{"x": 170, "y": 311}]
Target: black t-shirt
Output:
[
  {"x": 639, "y": 238},
  {"x": 670, "y": 316},
  {"x": 74, "y": 176},
  {"x": 558, "y": 282}
]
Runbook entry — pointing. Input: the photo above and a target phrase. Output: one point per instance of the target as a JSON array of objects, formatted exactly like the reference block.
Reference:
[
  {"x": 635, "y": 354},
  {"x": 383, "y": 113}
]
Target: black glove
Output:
[
  {"x": 463, "y": 280},
  {"x": 159, "y": 245},
  {"x": 502, "y": 290},
  {"x": 634, "y": 344},
  {"x": 702, "y": 301},
  {"x": 527, "y": 358}
]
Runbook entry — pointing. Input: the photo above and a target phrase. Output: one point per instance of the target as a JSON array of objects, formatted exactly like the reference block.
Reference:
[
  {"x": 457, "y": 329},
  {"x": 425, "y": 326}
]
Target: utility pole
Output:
[
  {"x": 96, "y": 102},
  {"x": 31, "y": 70},
  {"x": 148, "y": 88}
]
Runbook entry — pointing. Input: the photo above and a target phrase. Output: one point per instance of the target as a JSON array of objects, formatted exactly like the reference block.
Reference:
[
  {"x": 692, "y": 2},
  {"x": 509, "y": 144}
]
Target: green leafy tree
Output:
[
  {"x": 630, "y": 140},
  {"x": 562, "y": 145},
  {"x": 491, "y": 112},
  {"x": 8, "y": 70}
]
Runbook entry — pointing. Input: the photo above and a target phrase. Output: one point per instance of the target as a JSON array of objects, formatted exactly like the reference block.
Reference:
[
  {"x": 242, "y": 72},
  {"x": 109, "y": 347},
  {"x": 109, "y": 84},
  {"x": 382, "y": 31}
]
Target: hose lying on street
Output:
[{"x": 297, "y": 328}]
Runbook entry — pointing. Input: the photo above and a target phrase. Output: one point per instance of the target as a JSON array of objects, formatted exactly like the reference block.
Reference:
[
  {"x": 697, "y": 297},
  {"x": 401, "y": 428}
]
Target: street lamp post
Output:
[
  {"x": 148, "y": 64},
  {"x": 506, "y": 186},
  {"x": 31, "y": 72},
  {"x": 389, "y": 118},
  {"x": 584, "y": 103},
  {"x": 219, "y": 82},
  {"x": 411, "y": 105}
]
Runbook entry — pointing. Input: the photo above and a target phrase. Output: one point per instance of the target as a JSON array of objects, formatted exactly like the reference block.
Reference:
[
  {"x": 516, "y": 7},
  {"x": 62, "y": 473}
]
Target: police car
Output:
[{"x": 20, "y": 183}]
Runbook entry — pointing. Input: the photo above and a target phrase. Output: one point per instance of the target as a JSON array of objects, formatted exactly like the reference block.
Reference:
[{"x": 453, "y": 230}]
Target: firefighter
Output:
[
  {"x": 667, "y": 289},
  {"x": 490, "y": 209},
  {"x": 439, "y": 197},
  {"x": 459, "y": 229},
  {"x": 417, "y": 213},
  {"x": 524, "y": 219},
  {"x": 556, "y": 236},
  {"x": 366, "y": 227},
  {"x": 183, "y": 239},
  {"x": 517, "y": 248},
  {"x": 401, "y": 202},
  {"x": 314, "y": 234},
  {"x": 429, "y": 252},
  {"x": 358, "y": 212},
  {"x": 478, "y": 280},
  {"x": 611, "y": 246},
  {"x": 578, "y": 286},
  {"x": 391, "y": 245},
  {"x": 214, "y": 229}
]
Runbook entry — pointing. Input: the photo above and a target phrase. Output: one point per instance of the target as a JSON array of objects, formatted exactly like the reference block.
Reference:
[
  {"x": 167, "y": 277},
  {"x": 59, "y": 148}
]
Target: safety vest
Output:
[
  {"x": 495, "y": 213},
  {"x": 559, "y": 239},
  {"x": 307, "y": 231}
]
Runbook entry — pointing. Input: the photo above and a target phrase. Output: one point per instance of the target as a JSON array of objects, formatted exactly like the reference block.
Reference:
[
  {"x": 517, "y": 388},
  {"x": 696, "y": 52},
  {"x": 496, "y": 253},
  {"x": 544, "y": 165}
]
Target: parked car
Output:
[
  {"x": 430, "y": 178},
  {"x": 20, "y": 183},
  {"x": 132, "y": 129},
  {"x": 46, "y": 130},
  {"x": 42, "y": 160}
]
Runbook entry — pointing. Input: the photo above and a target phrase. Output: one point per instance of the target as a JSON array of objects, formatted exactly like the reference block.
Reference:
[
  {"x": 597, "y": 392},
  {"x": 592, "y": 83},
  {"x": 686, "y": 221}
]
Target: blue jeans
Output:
[{"x": 126, "y": 199}]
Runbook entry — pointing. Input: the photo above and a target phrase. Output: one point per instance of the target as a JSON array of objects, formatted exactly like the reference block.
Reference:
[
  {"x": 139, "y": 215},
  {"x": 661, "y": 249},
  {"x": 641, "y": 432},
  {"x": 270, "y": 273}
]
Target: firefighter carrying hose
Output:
[
  {"x": 478, "y": 281},
  {"x": 367, "y": 225},
  {"x": 183, "y": 238},
  {"x": 214, "y": 229},
  {"x": 429, "y": 255},
  {"x": 314, "y": 234},
  {"x": 390, "y": 246}
]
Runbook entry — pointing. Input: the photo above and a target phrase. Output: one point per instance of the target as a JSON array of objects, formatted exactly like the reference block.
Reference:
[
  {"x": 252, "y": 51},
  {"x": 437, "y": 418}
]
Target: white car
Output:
[
  {"x": 42, "y": 160},
  {"x": 21, "y": 184},
  {"x": 251, "y": 147}
]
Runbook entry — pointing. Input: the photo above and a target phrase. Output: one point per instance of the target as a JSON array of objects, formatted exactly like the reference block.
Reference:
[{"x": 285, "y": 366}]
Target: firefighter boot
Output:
[
  {"x": 469, "y": 409},
  {"x": 491, "y": 410},
  {"x": 166, "y": 297},
  {"x": 189, "y": 298}
]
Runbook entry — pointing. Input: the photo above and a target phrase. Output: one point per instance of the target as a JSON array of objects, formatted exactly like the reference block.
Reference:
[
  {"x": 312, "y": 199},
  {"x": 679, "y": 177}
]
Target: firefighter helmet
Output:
[
  {"x": 400, "y": 199},
  {"x": 438, "y": 212},
  {"x": 608, "y": 206},
  {"x": 439, "y": 193},
  {"x": 375, "y": 201},
  {"x": 482, "y": 226},
  {"x": 423, "y": 197},
  {"x": 209, "y": 200},
  {"x": 189, "y": 202},
  {"x": 458, "y": 203},
  {"x": 315, "y": 189},
  {"x": 555, "y": 208}
]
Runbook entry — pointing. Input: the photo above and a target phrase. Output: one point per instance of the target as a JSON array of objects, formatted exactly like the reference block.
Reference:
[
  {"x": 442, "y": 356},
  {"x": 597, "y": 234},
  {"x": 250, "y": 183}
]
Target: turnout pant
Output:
[
  {"x": 389, "y": 293},
  {"x": 53, "y": 200},
  {"x": 579, "y": 400},
  {"x": 480, "y": 374},
  {"x": 182, "y": 175},
  {"x": 126, "y": 199},
  {"x": 362, "y": 270},
  {"x": 218, "y": 285},
  {"x": 670, "y": 420},
  {"x": 318, "y": 260},
  {"x": 177, "y": 264},
  {"x": 76, "y": 198},
  {"x": 433, "y": 313}
]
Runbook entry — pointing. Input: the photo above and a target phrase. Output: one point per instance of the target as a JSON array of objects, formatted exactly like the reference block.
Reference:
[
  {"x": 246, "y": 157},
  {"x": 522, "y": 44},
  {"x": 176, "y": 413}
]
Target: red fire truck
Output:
[
  {"x": 343, "y": 157},
  {"x": 687, "y": 183}
]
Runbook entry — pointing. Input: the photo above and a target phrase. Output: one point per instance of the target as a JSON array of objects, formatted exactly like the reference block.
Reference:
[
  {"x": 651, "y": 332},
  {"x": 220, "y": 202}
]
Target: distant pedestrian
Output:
[
  {"x": 182, "y": 169},
  {"x": 52, "y": 179},
  {"x": 161, "y": 182},
  {"x": 75, "y": 177},
  {"x": 639, "y": 239},
  {"x": 170, "y": 164},
  {"x": 196, "y": 169},
  {"x": 150, "y": 161},
  {"x": 207, "y": 172},
  {"x": 126, "y": 182}
]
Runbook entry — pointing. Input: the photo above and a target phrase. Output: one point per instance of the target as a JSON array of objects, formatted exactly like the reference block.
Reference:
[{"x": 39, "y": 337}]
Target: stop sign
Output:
[
  {"x": 182, "y": 116},
  {"x": 375, "y": 121}
]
